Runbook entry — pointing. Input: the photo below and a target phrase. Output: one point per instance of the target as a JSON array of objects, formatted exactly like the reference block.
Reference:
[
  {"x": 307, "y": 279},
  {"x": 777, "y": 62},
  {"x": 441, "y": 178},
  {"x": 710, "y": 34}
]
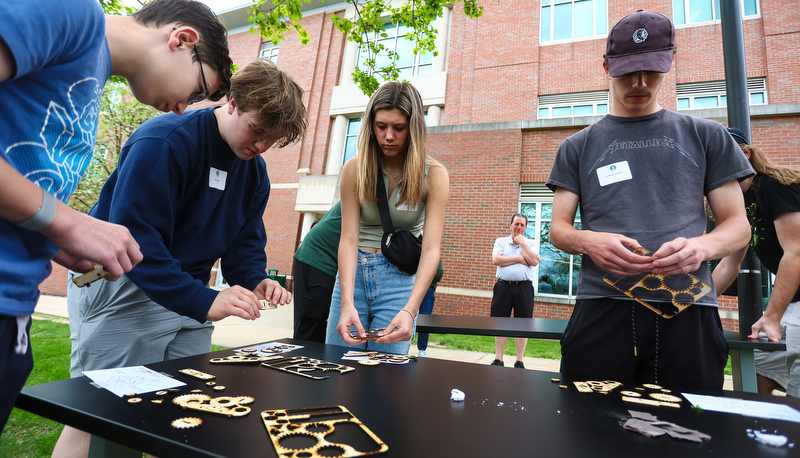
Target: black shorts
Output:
[
  {"x": 688, "y": 350},
  {"x": 14, "y": 367},
  {"x": 516, "y": 296}
]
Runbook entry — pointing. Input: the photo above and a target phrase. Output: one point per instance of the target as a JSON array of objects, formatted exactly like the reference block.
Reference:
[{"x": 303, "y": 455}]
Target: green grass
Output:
[
  {"x": 549, "y": 349},
  {"x": 26, "y": 434}
]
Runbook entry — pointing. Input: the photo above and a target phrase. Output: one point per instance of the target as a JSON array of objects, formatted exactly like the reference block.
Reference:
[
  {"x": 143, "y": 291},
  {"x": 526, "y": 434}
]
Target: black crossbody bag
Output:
[{"x": 398, "y": 244}]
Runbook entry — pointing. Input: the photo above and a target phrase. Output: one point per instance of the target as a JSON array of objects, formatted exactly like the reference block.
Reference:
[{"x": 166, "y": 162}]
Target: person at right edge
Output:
[
  {"x": 640, "y": 175},
  {"x": 773, "y": 207}
]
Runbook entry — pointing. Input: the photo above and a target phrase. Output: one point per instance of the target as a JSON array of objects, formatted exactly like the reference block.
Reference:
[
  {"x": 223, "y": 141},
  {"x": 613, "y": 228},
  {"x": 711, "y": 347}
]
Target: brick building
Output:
[{"x": 502, "y": 94}]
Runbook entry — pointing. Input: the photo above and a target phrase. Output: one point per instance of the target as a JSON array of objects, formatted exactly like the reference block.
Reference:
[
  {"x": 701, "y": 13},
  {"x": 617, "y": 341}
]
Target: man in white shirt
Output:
[{"x": 515, "y": 260}]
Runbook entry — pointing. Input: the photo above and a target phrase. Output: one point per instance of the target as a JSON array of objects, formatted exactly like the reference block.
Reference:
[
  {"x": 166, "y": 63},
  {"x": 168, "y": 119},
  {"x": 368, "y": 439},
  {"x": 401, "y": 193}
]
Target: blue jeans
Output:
[
  {"x": 380, "y": 291},
  {"x": 425, "y": 309}
]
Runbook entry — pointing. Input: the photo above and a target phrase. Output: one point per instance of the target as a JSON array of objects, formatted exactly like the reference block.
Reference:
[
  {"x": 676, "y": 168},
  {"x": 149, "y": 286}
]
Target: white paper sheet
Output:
[
  {"x": 744, "y": 407},
  {"x": 283, "y": 347},
  {"x": 129, "y": 380}
]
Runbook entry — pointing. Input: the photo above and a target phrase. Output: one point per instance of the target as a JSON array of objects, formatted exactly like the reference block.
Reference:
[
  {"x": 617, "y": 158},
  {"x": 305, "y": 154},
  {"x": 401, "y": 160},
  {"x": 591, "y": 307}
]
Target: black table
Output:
[
  {"x": 743, "y": 365},
  {"x": 507, "y": 412}
]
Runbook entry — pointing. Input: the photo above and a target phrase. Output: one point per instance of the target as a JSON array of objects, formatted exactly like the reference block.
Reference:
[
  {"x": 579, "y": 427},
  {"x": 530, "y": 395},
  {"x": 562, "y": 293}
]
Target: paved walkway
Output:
[{"x": 277, "y": 324}]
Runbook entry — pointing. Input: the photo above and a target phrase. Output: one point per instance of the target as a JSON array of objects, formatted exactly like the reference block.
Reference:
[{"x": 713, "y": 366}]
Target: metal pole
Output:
[{"x": 749, "y": 281}]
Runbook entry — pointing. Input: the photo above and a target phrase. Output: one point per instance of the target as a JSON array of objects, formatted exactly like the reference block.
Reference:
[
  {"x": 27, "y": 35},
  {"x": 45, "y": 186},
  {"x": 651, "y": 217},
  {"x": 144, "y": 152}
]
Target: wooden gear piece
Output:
[
  {"x": 95, "y": 274},
  {"x": 305, "y": 366},
  {"x": 197, "y": 374},
  {"x": 670, "y": 294},
  {"x": 186, "y": 423},
  {"x": 591, "y": 386},
  {"x": 230, "y": 406},
  {"x": 241, "y": 358},
  {"x": 370, "y": 334},
  {"x": 305, "y": 432}
]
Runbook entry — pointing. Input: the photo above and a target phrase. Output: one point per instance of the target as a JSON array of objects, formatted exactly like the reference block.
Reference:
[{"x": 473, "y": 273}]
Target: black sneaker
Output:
[
  {"x": 519, "y": 365},
  {"x": 497, "y": 362}
]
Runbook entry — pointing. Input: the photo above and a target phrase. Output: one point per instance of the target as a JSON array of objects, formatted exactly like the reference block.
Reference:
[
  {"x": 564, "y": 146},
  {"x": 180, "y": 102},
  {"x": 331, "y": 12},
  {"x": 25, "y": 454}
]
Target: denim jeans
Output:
[
  {"x": 425, "y": 309},
  {"x": 380, "y": 291}
]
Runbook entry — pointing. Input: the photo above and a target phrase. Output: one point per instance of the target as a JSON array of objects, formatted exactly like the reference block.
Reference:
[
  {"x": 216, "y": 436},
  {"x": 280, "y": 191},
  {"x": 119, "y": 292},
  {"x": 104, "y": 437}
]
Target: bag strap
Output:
[{"x": 383, "y": 205}]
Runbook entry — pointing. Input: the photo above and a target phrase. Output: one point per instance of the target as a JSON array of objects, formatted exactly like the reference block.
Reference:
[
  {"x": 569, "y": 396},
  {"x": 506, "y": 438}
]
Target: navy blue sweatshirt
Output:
[{"x": 188, "y": 200}]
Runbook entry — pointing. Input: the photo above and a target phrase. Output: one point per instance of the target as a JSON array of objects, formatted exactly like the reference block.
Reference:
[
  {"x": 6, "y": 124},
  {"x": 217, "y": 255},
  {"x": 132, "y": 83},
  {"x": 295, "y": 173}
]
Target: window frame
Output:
[
  {"x": 686, "y": 10},
  {"x": 396, "y": 35},
  {"x": 709, "y": 89},
  {"x": 572, "y": 100},
  {"x": 269, "y": 51},
  {"x": 539, "y": 196},
  {"x": 547, "y": 20}
]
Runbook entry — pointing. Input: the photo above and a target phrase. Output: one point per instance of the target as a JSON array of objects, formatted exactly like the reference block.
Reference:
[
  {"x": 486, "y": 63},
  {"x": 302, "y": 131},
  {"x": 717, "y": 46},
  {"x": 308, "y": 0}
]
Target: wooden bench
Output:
[{"x": 743, "y": 365}]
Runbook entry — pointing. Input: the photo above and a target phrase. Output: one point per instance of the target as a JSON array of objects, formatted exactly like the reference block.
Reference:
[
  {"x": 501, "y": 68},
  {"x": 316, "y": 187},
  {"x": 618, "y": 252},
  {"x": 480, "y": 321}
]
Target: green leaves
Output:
[
  {"x": 120, "y": 115},
  {"x": 365, "y": 29}
]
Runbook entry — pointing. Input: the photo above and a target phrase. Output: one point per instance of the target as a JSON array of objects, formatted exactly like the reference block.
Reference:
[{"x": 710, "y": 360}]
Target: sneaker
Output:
[
  {"x": 519, "y": 365},
  {"x": 497, "y": 362},
  {"x": 422, "y": 354}
]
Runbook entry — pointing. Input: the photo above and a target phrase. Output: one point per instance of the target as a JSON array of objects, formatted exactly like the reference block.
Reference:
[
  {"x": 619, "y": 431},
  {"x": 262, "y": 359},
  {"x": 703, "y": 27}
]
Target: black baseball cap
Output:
[
  {"x": 738, "y": 135},
  {"x": 640, "y": 42}
]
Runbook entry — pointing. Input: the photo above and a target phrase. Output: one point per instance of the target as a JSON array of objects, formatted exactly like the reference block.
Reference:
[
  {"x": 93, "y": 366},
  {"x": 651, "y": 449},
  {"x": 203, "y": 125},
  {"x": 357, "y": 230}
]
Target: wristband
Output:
[
  {"x": 412, "y": 315},
  {"x": 44, "y": 216}
]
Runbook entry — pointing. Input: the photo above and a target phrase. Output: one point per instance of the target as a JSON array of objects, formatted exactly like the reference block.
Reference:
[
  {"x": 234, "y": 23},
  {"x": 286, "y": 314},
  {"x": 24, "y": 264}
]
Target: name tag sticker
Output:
[
  {"x": 614, "y": 173},
  {"x": 405, "y": 207},
  {"x": 217, "y": 178}
]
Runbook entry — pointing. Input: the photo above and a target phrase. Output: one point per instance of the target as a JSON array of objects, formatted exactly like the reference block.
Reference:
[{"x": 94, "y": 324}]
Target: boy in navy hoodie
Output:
[{"x": 191, "y": 189}]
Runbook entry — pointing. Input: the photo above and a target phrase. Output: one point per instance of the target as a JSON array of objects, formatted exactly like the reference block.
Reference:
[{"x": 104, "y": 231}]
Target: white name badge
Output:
[
  {"x": 614, "y": 173},
  {"x": 404, "y": 207},
  {"x": 217, "y": 178}
]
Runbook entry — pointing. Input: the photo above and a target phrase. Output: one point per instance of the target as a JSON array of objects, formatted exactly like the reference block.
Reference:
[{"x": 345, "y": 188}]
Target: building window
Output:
[
  {"x": 576, "y": 104},
  {"x": 396, "y": 45},
  {"x": 570, "y": 19},
  {"x": 351, "y": 139},
  {"x": 269, "y": 51},
  {"x": 712, "y": 94},
  {"x": 536, "y": 202},
  {"x": 697, "y": 11}
]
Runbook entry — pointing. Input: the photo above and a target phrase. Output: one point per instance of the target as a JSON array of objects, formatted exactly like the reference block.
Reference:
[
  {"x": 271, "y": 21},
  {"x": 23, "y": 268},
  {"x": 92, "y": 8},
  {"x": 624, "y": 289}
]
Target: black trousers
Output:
[
  {"x": 517, "y": 296},
  {"x": 688, "y": 350},
  {"x": 312, "y": 301}
]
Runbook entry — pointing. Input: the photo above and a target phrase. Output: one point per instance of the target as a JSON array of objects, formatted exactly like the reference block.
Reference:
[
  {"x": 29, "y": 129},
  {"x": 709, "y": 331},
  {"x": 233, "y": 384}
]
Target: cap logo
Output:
[{"x": 639, "y": 36}]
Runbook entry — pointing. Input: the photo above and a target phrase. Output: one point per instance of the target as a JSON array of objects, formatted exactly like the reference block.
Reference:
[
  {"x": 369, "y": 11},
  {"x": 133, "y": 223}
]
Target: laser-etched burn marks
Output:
[
  {"x": 320, "y": 431},
  {"x": 666, "y": 295}
]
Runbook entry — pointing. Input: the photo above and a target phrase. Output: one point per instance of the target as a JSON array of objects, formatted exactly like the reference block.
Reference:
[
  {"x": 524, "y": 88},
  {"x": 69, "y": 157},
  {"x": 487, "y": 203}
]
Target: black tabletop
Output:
[{"x": 507, "y": 412}]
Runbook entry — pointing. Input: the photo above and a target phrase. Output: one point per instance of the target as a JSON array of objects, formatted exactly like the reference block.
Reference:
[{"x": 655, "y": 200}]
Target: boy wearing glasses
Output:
[
  {"x": 191, "y": 189},
  {"x": 55, "y": 57}
]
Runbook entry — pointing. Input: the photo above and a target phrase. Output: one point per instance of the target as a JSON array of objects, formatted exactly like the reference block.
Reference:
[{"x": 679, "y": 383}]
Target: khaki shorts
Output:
[{"x": 115, "y": 324}]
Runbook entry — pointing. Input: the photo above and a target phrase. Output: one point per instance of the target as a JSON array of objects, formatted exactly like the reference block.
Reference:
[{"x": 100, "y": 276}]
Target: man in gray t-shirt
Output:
[{"x": 646, "y": 308}]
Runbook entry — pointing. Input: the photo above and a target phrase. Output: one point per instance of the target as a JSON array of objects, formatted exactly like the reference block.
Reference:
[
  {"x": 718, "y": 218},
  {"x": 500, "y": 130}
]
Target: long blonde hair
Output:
[
  {"x": 763, "y": 166},
  {"x": 406, "y": 98}
]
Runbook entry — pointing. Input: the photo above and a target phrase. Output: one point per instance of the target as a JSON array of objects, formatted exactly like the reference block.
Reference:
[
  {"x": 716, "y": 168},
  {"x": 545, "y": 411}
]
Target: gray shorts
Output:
[
  {"x": 115, "y": 324},
  {"x": 784, "y": 366}
]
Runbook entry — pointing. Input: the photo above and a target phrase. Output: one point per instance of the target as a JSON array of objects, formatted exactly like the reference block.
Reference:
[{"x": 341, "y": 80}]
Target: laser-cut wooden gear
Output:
[
  {"x": 186, "y": 422},
  {"x": 668, "y": 295},
  {"x": 230, "y": 406},
  {"x": 304, "y": 433},
  {"x": 305, "y": 366}
]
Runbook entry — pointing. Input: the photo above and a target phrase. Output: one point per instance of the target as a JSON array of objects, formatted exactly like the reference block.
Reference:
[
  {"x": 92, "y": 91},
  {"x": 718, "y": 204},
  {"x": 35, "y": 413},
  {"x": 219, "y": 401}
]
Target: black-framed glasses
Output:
[{"x": 199, "y": 96}]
